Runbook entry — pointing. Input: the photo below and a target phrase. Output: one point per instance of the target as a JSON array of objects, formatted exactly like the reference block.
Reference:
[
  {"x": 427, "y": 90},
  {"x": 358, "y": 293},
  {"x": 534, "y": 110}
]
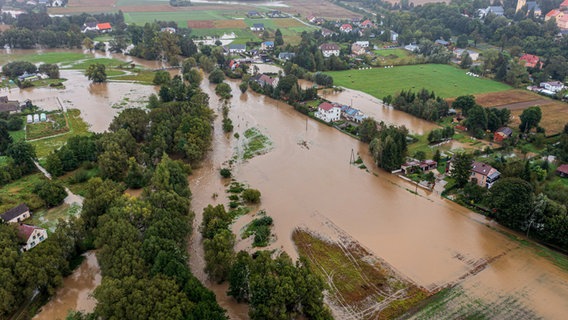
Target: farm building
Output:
[
  {"x": 104, "y": 27},
  {"x": 554, "y": 86},
  {"x": 10, "y": 106},
  {"x": 563, "y": 171},
  {"x": 286, "y": 55},
  {"x": 42, "y": 117},
  {"x": 17, "y": 214},
  {"x": 254, "y": 14},
  {"x": 502, "y": 134}
]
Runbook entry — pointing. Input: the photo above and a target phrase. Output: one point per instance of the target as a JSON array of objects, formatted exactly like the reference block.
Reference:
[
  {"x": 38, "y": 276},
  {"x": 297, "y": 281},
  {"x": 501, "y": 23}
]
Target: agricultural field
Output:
[
  {"x": 446, "y": 81},
  {"x": 56, "y": 124}
]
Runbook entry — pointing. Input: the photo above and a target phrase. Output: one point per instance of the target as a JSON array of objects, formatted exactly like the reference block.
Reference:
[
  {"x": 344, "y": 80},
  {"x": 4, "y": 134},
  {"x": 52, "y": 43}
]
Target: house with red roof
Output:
[
  {"x": 346, "y": 28},
  {"x": 328, "y": 112},
  {"x": 330, "y": 49},
  {"x": 555, "y": 13},
  {"x": 483, "y": 174},
  {"x": 104, "y": 27},
  {"x": 564, "y": 5},
  {"x": 531, "y": 61},
  {"x": 367, "y": 24},
  {"x": 563, "y": 171},
  {"x": 31, "y": 235}
]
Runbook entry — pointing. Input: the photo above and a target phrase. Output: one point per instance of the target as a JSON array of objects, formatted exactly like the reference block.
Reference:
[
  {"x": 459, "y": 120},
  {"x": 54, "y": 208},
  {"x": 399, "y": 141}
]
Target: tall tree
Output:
[
  {"x": 461, "y": 168},
  {"x": 96, "y": 72},
  {"x": 530, "y": 118}
]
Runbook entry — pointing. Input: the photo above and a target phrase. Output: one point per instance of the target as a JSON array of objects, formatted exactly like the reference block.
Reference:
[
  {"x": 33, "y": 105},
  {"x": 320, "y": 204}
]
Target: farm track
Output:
[{"x": 525, "y": 104}]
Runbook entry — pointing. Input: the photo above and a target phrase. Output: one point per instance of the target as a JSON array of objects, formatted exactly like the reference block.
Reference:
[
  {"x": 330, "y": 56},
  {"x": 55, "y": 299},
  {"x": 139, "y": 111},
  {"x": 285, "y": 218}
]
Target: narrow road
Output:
[{"x": 524, "y": 105}]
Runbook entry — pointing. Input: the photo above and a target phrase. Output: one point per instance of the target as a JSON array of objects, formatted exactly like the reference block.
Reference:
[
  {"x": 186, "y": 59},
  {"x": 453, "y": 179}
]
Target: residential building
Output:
[
  {"x": 411, "y": 47},
  {"x": 496, "y": 10},
  {"x": 237, "y": 48},
  {"x": 10, "y": 106},
  {"x": 531, "y": 61},
  {"x": 502, "y": 134},
  {"x": 393, "y": 36},
  {"x": 31, "y": 235},
  {"x": 254, "y": 14},
  {"x": 533, "y": 6},
  {"x": 330, "y": 49},
  {"x": 257, "y": 27},
  {"x": 554, "y": 86},
  {"x": 263, "y": 80},
  {"x": 414, "y": 165},
  {"x": 89, "y": 26},
  {"x": 267, "y": 45},
  {"x": 363, "y": 44},
  {"x": 472, "y": 54},
  {"x": 326, "y": 32},
  {"x": 367, "y": 24},
  {"x": 555, "y": 13},
  {"x": 483, "y": 174},
  {"x": 233, "y": 64},
  {"x": 357, "y": 50},
  {"x": 442, "y": 42},
  {"x": 346, "y": 28},
  {"x": 286, "y": 55},
  {"x": 168, "y": 30},
  {"x": 328, "y": 112},
  {"x": 104, "y": 27},
  {"x": 17, "y": 214},
  {"x": 563, "y": 171},
  {"x": 352, "y": 114}
]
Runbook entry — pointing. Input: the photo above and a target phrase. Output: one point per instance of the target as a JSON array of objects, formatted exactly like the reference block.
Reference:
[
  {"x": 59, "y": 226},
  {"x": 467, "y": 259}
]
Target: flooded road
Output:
[
  {"x": 75, "y": 293},
  {"x": 431, "y": 241}
]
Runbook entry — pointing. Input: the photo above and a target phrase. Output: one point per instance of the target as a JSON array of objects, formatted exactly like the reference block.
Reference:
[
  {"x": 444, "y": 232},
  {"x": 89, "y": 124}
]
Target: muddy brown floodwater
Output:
[
  {"x": 429, "y": 240},
  {"x": 75, "y": 293}
]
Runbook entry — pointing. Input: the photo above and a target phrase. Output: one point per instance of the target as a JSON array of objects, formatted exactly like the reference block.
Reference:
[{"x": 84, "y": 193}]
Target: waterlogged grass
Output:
[
  {"x": 109, "y": 63},
  {"x": 21, "y": 191},
  {"x": 260, "y": 229},
  {"x": 49, "y": 219},
  {"x": 47, "y": 57},
  {"x": 77, "y": 127},
  {"x": 358, "y": 281},
  {"x": 255, "y": 143},
  {"x": 445, "y": 80},
  {"x": 142, "y": 77}
]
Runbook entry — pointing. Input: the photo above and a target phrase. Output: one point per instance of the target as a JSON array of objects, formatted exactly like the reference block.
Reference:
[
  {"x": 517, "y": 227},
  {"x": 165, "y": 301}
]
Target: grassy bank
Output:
[{"x": 445, "y": 80}]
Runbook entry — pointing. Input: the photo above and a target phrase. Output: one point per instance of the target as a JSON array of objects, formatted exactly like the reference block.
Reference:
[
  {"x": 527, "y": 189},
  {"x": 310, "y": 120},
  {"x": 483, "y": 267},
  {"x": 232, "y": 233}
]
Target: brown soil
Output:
[
  {"x": 320, "y": 8},
  {"x": 554, "y": 117},
  {"x": 287, "y": 23},
  {"x": 201, "y": 24},
  {"x": 419, "y": 2},
  {"x": 524, "y": 105},
  {"x": 505, "y": 97},
  {"x": 89, "y": 3},
  {"x": 224, "y": 24}
]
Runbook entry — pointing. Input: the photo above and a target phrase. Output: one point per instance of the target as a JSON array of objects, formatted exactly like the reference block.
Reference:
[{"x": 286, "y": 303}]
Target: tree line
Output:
[{"x": 423, "y": 104}]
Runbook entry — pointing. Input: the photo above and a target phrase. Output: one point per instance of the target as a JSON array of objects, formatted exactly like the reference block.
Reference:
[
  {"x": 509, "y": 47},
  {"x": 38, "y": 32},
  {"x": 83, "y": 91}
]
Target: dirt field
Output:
[
  {"x": 287, "y": 23},
  {"x": 554, "y": 116},
  {"x": 223, "y": 24},
  {"x": 88, "y": 3},
  {"x": 506, "y": 97},
  {"x": 201, "y": 24},
  {"x": 419, "y": 2},
  {"x": 320, "y": 8}
]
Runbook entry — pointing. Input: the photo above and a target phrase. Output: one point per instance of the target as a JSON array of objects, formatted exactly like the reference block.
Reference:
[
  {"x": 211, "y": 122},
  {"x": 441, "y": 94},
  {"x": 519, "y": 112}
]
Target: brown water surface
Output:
[
  {"x": 306, "y": 181},
  {"x": 75, "y": 293}
]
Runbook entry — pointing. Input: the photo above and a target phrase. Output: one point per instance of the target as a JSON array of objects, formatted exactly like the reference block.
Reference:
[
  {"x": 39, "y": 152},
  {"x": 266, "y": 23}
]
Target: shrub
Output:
[
  {"x": 225, "y": 173},
  {"x": 251, "y": 195}
]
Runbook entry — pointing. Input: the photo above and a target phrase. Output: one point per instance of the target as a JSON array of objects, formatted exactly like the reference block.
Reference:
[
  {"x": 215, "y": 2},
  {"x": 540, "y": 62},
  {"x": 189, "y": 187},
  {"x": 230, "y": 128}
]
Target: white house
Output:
[
  {"x": 267, "y": 45},
  {"x": 472, "y": 54},
  {"x": 554, "y": 86},
  {"x": 329, "y": 49},
  {"x": 257, "y": 27},
  {"x": 328, "y": 112},
  {"x": 31, "y": 235},
  {"x": 346, "y": 28},
  {"x": 362, "y": 44},
  {"x": 357, "y": 49},
  {"x": 17, "y": 214},
  {"x": 237, "y": 48}
]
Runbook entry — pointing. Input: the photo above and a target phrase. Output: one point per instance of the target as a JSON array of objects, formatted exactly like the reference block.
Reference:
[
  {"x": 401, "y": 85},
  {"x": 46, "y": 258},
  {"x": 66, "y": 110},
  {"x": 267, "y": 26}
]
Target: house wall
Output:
[
  {"x": 20, "y": 218},
  {"x": 328, "y": 116},
  {"x": 38, "y": 236}
]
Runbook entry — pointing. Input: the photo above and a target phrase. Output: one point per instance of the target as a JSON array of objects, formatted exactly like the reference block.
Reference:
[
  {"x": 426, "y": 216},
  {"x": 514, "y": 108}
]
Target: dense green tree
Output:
[
  {"x": 278, "y": 40},
  {"x": 251, "y": 195},
  {"x": 5, "y": 138},
  {"x": 53, "y": 165},
  {"x": 223, "y": 90},
  {"x": 96, "y": 72},
  {"x": 217, "y": 76},
  {"x": 512, "y": 202},
  {"x": 215, "y": 219},
  {"x": 18, "y": 68},
  {"x": 466, "y": 61},
  {"x": 51, "y": 70},
  {"x": 161, "y": 77},
  {"x": 464, "y": 103},
  {"x": 23, "y": 154},
  {"x": 530, "y": 118},
  {"x": 51, "y": 192},
  {"x": 219, "y": 255},
  {"x": 135, "y": 120},
  {"x": 368, "y": 130},
  {"x": 15, "y": 123},
  {"x": 461, "y": 168}
]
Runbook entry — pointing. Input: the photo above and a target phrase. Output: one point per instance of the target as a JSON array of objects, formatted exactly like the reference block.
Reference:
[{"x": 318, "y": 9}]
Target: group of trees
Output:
[
  {"x": 479, "y": 118},
  {"x": 388, "y": 143},
  {"x": 424, "y": 104},
  {"x": 442, "y": 134},
  {"x": 17, "y": 68}
]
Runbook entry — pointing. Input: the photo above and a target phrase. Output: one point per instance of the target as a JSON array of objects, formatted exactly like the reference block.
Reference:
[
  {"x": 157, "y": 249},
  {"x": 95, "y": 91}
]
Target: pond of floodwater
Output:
[
  {"x": 99, "y": 103},
  {"x": 75, "y": 293},
  {"x": 306, "y": 181}
]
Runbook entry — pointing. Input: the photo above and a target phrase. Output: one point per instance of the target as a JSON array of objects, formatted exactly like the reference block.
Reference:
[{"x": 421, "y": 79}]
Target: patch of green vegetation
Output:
[
  {"x": 142, "y": 77},
  {"x": 55, "y": 124},
  {"x": 114, "y": 73},
  {"x": 78, "y": 179},
  {"x": 260, "y": 228},
  {"x": 49, "y": 219},
  {"x": 18, "y": 135},
  {"x": 77, "y": 127},
  {"x": 45, "y": 57},
  {"x": 20, "y": 191},
  {"x": 446, "y": 81},
  {"x": 255, "y": 143},
  {"x": 236, "y": 187},
  {"x": 109, "y": 63}
]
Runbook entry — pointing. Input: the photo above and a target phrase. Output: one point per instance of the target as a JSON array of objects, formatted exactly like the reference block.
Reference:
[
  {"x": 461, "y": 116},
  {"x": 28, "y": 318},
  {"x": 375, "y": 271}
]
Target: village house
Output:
[
  {"x": 10, "y": 106},
  {"x": 531, "y": 61},
  {"x": 553, "y": 86},
  {"x": 367, "y": 24},
  {"x": 267, "y": 45},
  {"x": 357, "y": 49},
  {"x": 263, "y": 79},
  {"x": 363, "y": 44},
  {"x": 330, "y": 49},
  {"x": 104, "y": 27},
  {"x": 257, "y": 27},
  {"x": 89, "y": 26},
  {"x": 326, "y": 32},
  {"x": 393, "y": 36},
  {"x": 328, "y": 112},
  {"x": 496, "y": 10},
  {"x": 346, "y": 28},
  {"x": 442, "y": 42},
  {"x": 31, "y": 235},
  {"x": 311, "y": 18},
  {"x": 233, "y": 64},
  {"x": 563, "y": 171},
  {"x": 237, "y": 48},
  {"x": 414, "y": 165},
  {"x": 411, "y": 47},
  {"x": 275, "y": 14},
  {"x": 472, "y": 54},
  {"x": 254, "y": 14},
  {"x": 286, "y": 55},
  {"x": 168, "y": 30},
  {"x": 17, "y": 214},
  {"x": 352, "y": 114},
  {"x": 483, "y": 174},
  {"x": 502, "y": 134}
]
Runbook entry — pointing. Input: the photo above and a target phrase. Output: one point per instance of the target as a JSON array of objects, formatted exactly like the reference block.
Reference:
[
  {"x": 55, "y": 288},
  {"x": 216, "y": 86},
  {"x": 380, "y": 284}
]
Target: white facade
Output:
[
  {"x": 554, "y": 86},
  {"x": 362, "y": 44},
  {"x": 328, "y": 112}
]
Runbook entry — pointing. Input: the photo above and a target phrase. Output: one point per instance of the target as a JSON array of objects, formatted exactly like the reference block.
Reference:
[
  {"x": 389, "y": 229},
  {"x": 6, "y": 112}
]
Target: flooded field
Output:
[
  {"x": 75, "y": 293},
  {"x": 306, "y": 180}
]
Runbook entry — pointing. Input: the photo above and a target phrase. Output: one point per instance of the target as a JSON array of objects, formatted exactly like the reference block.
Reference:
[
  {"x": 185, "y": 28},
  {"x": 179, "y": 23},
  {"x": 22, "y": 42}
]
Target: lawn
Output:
[
  {"x": 77, "y": 127},
  {"x": 47, "y": 57},
  {"x": 180, "y": 17},
  {"x": 394, "y": 53},
  {"x": 20, "y": 191},
  {"x": 143, "y": 77},
  {"x": 445, "y": 80}
]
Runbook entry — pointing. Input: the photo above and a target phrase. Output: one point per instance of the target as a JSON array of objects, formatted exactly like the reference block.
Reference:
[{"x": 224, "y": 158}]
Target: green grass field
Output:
[
  {"x": 180, "y": 17},
  {"x": 445, "y": 80},
  {"x": 47, "y": 57}
]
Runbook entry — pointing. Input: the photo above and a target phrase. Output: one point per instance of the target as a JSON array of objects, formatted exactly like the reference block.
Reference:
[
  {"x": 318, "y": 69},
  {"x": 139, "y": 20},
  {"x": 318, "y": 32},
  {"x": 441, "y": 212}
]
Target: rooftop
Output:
[{"x": 14, "y": 212}]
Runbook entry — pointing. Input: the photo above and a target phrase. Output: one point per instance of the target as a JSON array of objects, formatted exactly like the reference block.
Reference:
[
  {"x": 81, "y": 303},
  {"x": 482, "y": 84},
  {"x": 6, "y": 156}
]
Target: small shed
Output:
[
  {"x": 30, "y": 118},
  {"x": 42, "y": 117},
  {"x": 36, "y": 117}
]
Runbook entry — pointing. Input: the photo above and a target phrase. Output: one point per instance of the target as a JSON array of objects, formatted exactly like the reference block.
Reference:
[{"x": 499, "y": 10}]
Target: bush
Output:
[
  {"x": 216, "y": 76},
  {"x": 225, "y": 173},
  {"x": 52, "y": 193},
  {"x": 251, "y": 195}
]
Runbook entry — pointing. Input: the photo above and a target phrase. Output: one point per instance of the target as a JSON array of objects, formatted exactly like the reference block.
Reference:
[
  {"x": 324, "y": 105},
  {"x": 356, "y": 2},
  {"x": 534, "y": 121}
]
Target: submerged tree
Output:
[{"x": 96, "y": 72}]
